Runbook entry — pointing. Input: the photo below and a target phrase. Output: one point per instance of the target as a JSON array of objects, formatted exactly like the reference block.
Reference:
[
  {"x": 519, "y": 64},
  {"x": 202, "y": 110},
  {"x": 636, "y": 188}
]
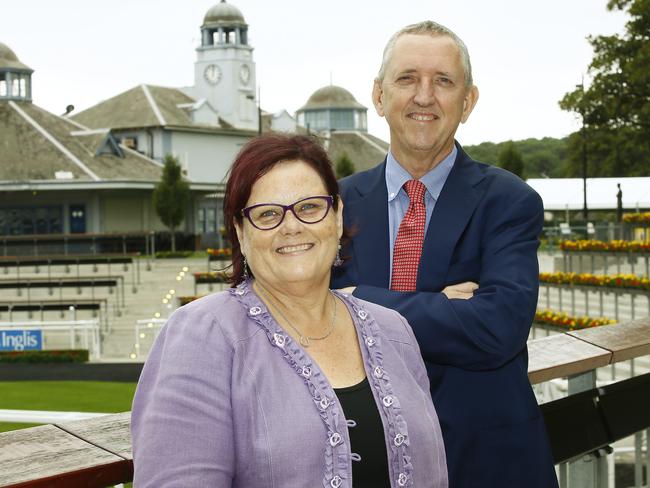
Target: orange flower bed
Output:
[
  {"x": 587, "y": 279},
  {"x": 211, "y": 277},
  {"x": 637, "y": 218},
  {"x": 611, "y": 246},
  {"x": 187, "y": 299},
  {"x": 220, "y": 253},
  {"x": 561, "y": 319}
]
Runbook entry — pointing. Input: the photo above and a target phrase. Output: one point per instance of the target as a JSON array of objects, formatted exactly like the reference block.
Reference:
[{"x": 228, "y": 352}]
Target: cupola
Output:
[
  {"x": 224, "y": 24},
  {"x": 15, "y": 77},
  {"x": 332, "y": 108}
]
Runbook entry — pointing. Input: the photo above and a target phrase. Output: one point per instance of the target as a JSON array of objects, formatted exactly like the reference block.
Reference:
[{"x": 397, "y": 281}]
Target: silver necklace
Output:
[{"x": 304, "y": 340}]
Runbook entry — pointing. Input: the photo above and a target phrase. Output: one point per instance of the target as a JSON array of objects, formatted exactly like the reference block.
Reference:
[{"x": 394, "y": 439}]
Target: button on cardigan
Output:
[{"x": 228, "y": 399}]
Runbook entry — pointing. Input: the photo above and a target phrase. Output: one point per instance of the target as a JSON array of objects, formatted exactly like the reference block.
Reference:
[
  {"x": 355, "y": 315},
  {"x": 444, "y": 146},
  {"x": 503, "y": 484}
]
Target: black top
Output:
[{"x": 367, "y": 437}]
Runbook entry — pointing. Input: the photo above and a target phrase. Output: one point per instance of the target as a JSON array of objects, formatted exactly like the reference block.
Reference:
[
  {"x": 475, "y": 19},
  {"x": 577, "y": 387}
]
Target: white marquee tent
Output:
[{"x": 567, "y": 194}]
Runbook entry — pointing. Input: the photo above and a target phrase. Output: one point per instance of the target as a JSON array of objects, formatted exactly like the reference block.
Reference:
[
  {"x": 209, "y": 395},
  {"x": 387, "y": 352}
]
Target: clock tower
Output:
[{"x": 224, "y": 72}]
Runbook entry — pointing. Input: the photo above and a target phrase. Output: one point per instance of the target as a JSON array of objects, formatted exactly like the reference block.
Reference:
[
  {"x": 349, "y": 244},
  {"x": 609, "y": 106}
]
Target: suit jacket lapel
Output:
[
  {"x": 454, "y": 208},
  {"x": 370, "y": 219}
]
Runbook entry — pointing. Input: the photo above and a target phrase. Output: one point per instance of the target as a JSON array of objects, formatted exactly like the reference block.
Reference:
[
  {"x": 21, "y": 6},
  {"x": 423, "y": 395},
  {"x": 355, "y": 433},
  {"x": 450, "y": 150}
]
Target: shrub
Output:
[
  {"x": 54, "y": 356},
  {"x": 173, "y": 254}
]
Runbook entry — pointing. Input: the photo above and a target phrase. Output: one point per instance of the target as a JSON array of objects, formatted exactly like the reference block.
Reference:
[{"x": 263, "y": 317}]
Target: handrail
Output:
[{"x": 97, "y": 452}]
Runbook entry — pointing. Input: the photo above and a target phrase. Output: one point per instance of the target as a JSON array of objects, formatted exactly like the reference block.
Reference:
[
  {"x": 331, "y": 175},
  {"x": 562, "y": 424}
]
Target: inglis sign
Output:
[{"x": 21, "y": 340}]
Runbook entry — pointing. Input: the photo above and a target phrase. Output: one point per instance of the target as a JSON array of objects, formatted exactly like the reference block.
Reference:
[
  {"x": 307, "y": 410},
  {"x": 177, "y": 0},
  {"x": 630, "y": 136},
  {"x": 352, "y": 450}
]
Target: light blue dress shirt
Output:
[{"x": 398, "y": 200}]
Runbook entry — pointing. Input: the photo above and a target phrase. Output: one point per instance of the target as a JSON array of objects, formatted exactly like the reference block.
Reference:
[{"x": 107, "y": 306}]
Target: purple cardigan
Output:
[{"x": 228, "y": 399}]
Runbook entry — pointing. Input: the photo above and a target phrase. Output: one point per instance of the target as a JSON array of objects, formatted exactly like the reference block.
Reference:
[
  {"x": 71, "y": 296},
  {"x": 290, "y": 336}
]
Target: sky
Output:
[{"x": 525, "y": 54}]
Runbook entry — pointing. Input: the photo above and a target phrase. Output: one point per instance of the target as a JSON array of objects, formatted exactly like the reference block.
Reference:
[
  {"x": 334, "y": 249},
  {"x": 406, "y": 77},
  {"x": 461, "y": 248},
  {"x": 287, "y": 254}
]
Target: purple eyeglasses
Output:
[{"x": 267, "y": 216}]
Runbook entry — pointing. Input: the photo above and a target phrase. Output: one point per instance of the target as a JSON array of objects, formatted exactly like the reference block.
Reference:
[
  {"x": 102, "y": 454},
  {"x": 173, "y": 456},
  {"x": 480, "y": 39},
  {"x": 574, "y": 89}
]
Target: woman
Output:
[{"x": 280, "y": 382}]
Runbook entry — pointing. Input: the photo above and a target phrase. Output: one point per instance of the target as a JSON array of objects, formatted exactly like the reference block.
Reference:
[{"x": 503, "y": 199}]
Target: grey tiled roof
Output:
[
  {"x": 35, "y": 149},
  {"x": 133, "y": 109},
  {"x": 364, "y": 150}
]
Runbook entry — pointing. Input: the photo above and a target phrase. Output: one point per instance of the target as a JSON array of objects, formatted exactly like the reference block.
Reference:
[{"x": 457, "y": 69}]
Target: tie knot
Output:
[{"x": 415, "y": 190}]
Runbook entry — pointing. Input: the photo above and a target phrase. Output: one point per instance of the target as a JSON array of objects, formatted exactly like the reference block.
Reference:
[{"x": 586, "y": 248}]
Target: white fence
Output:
[
  {"x": 80, "y": 333},
  {"x": 146, "y": 331}
]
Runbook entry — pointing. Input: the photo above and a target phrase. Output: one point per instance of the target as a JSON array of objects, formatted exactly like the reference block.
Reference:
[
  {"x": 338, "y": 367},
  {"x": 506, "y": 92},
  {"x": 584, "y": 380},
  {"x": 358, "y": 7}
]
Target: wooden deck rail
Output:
[
  {"x": 92, "y": 243},
  {"x": 18, "y": 262},
  {"x": 97, "y": 452},
  {"x": 92, "y": 282}
]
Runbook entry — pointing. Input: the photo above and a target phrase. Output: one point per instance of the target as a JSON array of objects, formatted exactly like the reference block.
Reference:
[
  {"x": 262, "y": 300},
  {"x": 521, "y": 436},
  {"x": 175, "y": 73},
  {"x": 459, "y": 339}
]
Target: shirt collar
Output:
[{"x": 434, "y": 180}]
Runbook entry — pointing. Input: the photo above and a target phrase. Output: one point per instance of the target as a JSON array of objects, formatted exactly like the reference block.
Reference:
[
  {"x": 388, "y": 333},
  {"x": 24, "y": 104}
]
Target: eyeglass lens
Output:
[{"x": 309, "y": 211}]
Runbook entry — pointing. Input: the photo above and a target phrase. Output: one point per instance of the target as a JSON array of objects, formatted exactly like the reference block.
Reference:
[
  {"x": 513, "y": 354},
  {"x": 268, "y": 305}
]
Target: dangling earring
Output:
[
  {"x": 245, "y": 268},
  {"x": 337, "y": 260}
]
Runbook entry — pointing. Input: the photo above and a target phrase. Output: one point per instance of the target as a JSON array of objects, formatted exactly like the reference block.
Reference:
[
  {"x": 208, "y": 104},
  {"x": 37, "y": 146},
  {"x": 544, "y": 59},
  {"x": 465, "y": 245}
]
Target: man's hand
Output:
[{"x": 461, "y": 291}]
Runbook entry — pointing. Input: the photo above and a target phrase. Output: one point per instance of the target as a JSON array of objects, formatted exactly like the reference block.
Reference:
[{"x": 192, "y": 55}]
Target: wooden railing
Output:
[
  {"x": 97, "y": 452},
  {"x": 78, "y": 244}
]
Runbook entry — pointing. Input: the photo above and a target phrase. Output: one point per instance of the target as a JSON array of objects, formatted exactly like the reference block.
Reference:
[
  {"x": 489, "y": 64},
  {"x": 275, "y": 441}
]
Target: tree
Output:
[
  {"x": 510, "y": 159},
  {"x": 171, "y": 196},
  {"x": 615, "y": 108},
  {"x": 543, "y": 158},
  {"x": 344, "y": 166}
]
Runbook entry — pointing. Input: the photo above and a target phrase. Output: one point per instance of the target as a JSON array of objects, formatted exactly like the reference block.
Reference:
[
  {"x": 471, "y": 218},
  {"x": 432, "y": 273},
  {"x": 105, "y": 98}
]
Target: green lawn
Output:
[
  {"x": 65, "y": 396},
  {"x": 7, "y": 426}
]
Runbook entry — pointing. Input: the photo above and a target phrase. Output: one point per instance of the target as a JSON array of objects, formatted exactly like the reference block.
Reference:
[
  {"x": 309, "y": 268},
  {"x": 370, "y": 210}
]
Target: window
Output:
[
  {"x": 201, "y": 221},
  {"x": 342, "y": 119},
  {"x": 3, "y": 85},
  {"x": 318, "y": 120},
  {"x": 212, "y": 220},
  {"x": 130, "y": 142},
  {"x": 31, "y": 220}
]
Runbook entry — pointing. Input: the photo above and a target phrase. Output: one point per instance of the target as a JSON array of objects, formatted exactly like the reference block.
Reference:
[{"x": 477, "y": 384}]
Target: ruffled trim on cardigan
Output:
[{"x": 337, "y": 454}]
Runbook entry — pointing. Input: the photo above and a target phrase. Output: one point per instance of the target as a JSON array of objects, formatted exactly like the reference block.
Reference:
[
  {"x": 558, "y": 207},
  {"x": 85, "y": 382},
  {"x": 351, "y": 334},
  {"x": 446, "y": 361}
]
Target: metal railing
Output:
[{"x": 97, "y": 452}]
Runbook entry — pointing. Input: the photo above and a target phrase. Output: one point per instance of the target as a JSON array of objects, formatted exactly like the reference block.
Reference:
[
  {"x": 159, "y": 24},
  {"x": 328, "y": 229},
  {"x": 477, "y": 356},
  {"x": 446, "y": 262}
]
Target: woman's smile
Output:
[{"x": 294, "y": 249}]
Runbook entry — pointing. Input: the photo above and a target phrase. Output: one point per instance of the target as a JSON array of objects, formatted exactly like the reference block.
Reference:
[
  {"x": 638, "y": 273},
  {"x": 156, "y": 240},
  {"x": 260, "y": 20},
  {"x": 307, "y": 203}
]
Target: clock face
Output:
[
  {"x": 212, "y": 74},
  {"x": 245, "y": 74}
]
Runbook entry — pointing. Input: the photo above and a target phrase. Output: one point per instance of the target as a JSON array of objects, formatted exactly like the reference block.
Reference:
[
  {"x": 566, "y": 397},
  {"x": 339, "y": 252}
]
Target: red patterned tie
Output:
[{"x": 410, "y": 237}]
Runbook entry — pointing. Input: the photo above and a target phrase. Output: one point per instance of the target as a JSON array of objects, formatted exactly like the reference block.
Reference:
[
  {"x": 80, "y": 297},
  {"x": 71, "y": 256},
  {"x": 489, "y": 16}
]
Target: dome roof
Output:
[
  {"x": 223, "y": 14},
  {"x": 331, "y": 96},
  {"x": 9, "y": 60}
]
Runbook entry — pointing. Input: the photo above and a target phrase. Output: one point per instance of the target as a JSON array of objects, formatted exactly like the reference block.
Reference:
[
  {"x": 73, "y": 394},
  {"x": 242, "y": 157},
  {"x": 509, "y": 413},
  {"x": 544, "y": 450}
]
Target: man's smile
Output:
[{"x": 422, "y": 117}]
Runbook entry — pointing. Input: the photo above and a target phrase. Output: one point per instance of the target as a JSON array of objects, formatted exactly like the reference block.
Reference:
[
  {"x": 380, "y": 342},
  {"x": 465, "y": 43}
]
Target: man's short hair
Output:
[{"x": 429, "y": 27}]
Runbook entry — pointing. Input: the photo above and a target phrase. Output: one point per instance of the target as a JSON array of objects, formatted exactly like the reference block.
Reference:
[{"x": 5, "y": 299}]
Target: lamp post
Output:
[
  {"x": 259, "y": 110},
  {"x": 583, "y": 133}
]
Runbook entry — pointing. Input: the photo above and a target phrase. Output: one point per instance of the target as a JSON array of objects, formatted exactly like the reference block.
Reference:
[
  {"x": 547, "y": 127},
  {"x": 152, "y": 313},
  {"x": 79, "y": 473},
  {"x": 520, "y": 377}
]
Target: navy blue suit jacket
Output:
[{"x": 484, "y": 228}]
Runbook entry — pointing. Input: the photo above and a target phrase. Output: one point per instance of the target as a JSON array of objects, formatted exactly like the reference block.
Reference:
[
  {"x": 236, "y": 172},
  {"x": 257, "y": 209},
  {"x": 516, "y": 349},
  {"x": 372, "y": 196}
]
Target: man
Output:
[
  {"x": 619, "y": 204},
  {"x": 469, "y": 286}
]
